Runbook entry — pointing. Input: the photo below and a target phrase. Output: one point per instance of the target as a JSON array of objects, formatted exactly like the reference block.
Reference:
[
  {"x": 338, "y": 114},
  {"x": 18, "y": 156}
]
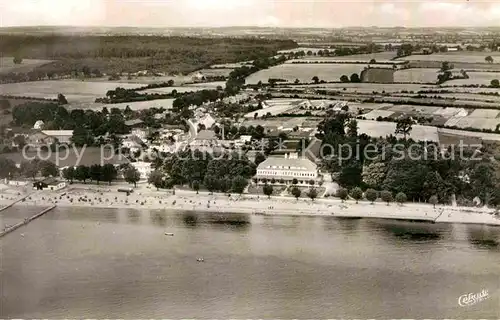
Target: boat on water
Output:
[
  {"x": 200, "y": 260},
  {"x": 169, "y": 234}
]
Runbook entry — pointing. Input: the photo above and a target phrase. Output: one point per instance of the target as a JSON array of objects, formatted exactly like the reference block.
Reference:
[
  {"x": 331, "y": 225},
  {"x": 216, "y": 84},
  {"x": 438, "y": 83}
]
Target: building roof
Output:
[
  {"x": 300, "y": 164},
  {"x": 58, "y": 133},
  {"x": 206, "y": 135},
  {"x": 134, "y": 122}
]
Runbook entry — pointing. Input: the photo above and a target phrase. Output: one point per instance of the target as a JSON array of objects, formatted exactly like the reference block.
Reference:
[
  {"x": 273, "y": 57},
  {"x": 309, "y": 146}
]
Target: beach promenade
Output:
[{"x": 147, "y": 198}]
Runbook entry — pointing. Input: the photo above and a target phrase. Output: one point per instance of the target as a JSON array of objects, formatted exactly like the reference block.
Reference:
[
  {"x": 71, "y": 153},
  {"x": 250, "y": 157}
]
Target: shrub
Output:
[
  {"x": 401, "y": 198},
  {"x": 342, "y": 194},
  {"x": 386, "y": 196},
  {"x": 313, "y": 194},
  {"x": 371, "y": 195},
  {"x": 433, "y": 200},
  {"x": 296, "y": 192},
  {"x": 357, "y": 194}
]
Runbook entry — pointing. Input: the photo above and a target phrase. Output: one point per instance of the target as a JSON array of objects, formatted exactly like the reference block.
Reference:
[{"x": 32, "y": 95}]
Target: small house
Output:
[{"x": 49, "y": 184}]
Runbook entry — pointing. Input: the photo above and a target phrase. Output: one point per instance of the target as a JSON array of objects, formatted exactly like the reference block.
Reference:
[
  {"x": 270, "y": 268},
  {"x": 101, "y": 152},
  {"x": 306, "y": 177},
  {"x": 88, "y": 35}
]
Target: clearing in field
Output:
[
  {"x": 416, "y": 75},
  {"x": 305, "y": 72},
  {"x": 73, "y": 90},
  {"x": 7, "y": 65}
]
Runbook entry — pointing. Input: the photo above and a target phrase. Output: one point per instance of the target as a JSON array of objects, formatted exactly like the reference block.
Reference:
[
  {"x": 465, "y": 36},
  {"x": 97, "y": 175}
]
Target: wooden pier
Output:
[{"x": 25, "y": 221}]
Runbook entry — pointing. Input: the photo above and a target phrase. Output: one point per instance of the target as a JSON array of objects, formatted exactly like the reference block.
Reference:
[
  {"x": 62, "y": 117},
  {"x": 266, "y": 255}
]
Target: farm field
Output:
[
  {"x": 73, "y": 90},
  {"x": 141, "y": 105},
  {"x": 479, "y": 78},
  {"x": 187, "y": 88},
  {"x": 383, "y": 129},
  {"x": 469, "y": 96},
  {"x": 416, "y": 75},
  {"x": 214, "y": 72},
  {"x": 472, "y": 122},
  {"x": 463, "y": 57},
  {"x": 7, "y": 64},
  {"x": 305, "y": 72},
  {"x": 367, "y": 87},
  {"x": 470, "y": 134}
]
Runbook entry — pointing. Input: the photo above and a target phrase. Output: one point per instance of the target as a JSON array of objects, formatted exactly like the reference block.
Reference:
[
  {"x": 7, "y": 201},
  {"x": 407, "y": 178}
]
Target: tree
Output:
[
  {"x": 210, "y": 182},
  {"x": 82, "y": 173},
  {"x": 344, "y": 78},
  {"x": 311, "y": 182},
  {"x": 433, "y": 200},
  {"x": 20, "y": 141},
  {"x": 48, "y": 169},
  {"x": 342, "y": 194},
  {"x": 386, "y": 196},
  {"x": 132, "y": 175},
  {"x": 18, "y": 59},
  {"x": 296, "y": 192},
  {"x": 69, "y": 174},
  {"x": 357, "y": 194},
  {"x": 196, "y": 186},
  {"x": 374, "y": 174},
  {"x": 312, "y": 193},
  {"x": 404, "y": 126},
  {"x": 372, "y": 61},
  {"x": 239, "y": 184},
  {"x": 445, "y": 66},
  {"x": 489, "y": 59},
  {"x": 108, "y": 173},
  {"x": 315, "y": 79},
  {"x": 7, "y": 168},
  {"x": 30, "y": 168},
  {"x": 495, "y": 83},
  {"x": 401, "y": 198},
  {"x": 259, "y": 158},
  {"x": 61, "y": 99},
  {"x": 355, "y": 78},
  {"x": 295, "y": 181},
  {"x": 352, "y": 128},
  {"x": 268, "y": 190},
  {"x": 371, "y": 195},
  {"x": 96, "y": 173},
  {"x": 156, "y": 179}
]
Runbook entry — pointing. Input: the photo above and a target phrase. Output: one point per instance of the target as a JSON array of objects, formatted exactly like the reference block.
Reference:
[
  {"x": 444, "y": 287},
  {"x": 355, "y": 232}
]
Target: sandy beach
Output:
[{"x": 145, "y": 197}]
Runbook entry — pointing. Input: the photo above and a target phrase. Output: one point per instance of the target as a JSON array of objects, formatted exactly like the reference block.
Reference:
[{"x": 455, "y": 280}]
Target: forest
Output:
[{"x": 117, "y": 54}]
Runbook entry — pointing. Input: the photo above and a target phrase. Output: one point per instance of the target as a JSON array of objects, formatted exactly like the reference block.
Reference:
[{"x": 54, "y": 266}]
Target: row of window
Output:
[{"x": 285, "y": 173}]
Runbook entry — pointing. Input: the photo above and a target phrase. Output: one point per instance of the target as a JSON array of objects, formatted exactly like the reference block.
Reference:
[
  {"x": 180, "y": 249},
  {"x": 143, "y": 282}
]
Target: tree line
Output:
[{"x": 419, "y": 174}]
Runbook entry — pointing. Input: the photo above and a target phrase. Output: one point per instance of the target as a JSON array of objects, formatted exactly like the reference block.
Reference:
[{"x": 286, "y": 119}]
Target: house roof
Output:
[
  {"x": 48, "y": 181},
  {"x": 133, "y": 122},
  {"x": 206, "y": 135},
  {"x": 300, "y": 164},
  {"x": 58, "y": 133}
]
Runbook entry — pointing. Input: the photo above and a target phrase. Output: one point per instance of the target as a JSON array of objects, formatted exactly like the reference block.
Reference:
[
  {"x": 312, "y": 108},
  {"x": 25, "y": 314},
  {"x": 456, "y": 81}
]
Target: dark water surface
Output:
[{"x": 97, "y": 263}]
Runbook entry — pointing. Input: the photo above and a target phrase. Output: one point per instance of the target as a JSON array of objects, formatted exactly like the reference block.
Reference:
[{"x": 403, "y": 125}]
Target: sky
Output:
[{"x": 268, "y": 13}]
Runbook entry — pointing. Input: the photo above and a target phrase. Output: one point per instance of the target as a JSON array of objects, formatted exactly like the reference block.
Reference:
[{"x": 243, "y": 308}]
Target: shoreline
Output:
[{"x": 105, "y": 198}]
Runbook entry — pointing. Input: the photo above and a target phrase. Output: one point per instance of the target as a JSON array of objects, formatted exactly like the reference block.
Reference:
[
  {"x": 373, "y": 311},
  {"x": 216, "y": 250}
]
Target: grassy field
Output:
[
  {"x": 367, "y": 87},
  {"x": 305, "y": 72},
  {"x": 73, "y": 90},
  {"x": 480, "y": 78},
  {"x": 7, "y": 65},
  {"x": 416, "y": 75},
  {"x": 464, "y": 57},
  {"x": 383, "y": 129},
  {"x": 165, "y": 103}
]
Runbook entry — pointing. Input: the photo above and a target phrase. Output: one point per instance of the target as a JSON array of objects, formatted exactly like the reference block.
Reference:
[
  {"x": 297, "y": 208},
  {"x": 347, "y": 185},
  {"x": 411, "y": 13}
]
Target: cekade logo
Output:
[{"x": 470, "y": 299}]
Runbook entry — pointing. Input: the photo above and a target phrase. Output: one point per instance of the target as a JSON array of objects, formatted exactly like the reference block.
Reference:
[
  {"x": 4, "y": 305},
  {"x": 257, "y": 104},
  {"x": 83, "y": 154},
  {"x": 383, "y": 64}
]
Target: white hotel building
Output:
[{"x": 287, "y": 169}]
